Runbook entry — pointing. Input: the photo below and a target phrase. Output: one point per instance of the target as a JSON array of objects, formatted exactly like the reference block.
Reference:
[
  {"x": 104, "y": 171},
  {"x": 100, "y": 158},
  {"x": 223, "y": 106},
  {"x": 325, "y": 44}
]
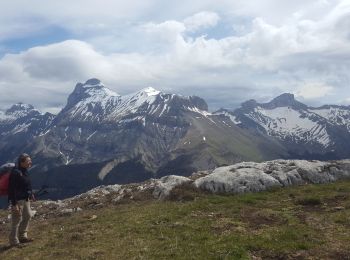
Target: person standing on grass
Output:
[{"x": 20, "y": 194}]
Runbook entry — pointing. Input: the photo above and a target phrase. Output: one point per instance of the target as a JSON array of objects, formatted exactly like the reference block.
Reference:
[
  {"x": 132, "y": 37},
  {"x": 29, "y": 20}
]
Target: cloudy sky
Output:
[{"x": 226, "y": 51}]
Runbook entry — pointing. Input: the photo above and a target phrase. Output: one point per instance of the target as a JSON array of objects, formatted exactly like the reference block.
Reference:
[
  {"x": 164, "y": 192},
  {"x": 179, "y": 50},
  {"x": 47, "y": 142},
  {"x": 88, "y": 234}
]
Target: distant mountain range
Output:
[
  {"x": 101, "y": 137},
  {"x": 306, "y": 132}
]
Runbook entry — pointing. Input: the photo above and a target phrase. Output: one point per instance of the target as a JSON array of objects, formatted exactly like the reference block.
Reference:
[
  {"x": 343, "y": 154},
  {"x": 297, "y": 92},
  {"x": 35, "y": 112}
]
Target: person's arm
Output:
[
  {"x": 29, "y": 188},
  {"x": 12, "y": 188}
]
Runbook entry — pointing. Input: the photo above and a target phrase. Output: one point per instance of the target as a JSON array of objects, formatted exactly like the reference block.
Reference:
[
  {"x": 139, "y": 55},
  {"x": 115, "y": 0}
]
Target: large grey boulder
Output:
[
  {"x": 253, "y": 177},
  {"x": 164, "y": 185}
]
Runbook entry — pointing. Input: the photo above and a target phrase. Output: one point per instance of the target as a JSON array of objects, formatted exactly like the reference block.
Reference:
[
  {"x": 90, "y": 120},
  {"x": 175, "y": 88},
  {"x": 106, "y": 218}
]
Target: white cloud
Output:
[
  {"x": 281, "y": 46},
  {"x": 21, "y": 17},
  {"x": 66, "y": 60},
  {"x": 201, "y": 20},
  {"x": 168, "y": 31},
  {"x": 314, "y": 90}
]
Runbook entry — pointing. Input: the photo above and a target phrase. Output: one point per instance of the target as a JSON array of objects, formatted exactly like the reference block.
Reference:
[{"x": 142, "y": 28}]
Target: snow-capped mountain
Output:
[
  {"x": 98, "y": 124},
  {"x": 90, "y": 102},
  {"x": 93, "y": 102},
  {"x": 337, "y": 115},
  {"x": 101, "y": 137},
  {"x": 18, "y": 126},
  {"x": 322, "y": 132}
]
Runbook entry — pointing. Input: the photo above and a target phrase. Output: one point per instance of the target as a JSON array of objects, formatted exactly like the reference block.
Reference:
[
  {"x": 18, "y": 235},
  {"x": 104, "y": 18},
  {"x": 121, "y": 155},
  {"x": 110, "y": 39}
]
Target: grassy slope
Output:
[
  {"x": 303, "y": 222},
  {"x": 240, "y": 146}
]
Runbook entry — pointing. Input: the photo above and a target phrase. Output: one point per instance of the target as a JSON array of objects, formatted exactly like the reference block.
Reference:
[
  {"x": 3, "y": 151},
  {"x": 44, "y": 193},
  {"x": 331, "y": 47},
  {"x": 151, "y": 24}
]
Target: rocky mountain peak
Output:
[
  {"x": 144, "y": 95},
  {"x": 20, "y": 107},
  {"x": 91, "y": 88},
  {"x": 199, "y": 103},
  {"x": 20, "y": 110},
  {"x": 285, "y": 97},
  {"x": 93, "y": 82},
  {"x": 89, "y": 84},
  {"x": 250, "y": 104},
  {"x": 285, "y": 100},
  {"x": 149, "y": 91}
]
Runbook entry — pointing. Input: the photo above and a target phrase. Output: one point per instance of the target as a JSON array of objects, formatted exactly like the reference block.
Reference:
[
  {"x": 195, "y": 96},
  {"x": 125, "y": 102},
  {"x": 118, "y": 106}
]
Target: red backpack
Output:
[{"x": 5, "y": 171}]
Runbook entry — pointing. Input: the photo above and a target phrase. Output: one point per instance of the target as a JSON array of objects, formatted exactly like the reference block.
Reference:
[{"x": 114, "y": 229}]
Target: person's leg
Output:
[
  {"x": 24, "y": 224},
  {"x": 16, "y": 218}
]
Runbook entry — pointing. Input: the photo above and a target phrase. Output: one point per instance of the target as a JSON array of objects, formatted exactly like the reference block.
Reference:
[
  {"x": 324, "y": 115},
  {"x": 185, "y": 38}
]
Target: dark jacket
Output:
[{"x": 20, "y": 185}]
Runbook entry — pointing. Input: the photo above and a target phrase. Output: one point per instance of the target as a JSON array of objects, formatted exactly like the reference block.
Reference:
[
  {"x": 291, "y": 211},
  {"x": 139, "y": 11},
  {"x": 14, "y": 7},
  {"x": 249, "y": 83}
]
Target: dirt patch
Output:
[
  {"x": 337, "y": 200},
  {"x": 259, "y": 218},
  {"x": 309, "y": 201},
  {"x": 343, "y": 255},
  {"x": 309, "y": 207},
  {"x": 303, "y": 254},
  {"x": 299, "y": 255},
  {"x": 328, "y": 253}
]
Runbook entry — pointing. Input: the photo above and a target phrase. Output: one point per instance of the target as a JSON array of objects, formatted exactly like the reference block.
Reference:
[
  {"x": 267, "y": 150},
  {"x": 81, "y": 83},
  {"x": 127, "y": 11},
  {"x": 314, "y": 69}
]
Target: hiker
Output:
[{"x": 20, "y": 194}]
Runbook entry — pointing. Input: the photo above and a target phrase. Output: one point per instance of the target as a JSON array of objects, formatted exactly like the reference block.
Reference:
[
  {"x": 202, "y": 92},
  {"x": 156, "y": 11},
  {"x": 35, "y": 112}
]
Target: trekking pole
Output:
[{"x": 41, "y": 192}]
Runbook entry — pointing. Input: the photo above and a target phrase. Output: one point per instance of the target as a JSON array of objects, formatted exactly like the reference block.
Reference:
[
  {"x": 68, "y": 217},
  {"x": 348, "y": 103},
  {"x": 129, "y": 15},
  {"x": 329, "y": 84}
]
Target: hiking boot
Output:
[{"x": 25, "y": 240}]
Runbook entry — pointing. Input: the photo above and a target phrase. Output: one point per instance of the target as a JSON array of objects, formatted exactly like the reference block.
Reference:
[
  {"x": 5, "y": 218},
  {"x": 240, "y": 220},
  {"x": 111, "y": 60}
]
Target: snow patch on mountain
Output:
[
  {"x": 336, "y": 115},
  {"x": 297, "y": 124},
  {"x": 199, "y": 111},
  {"x": 286, "y": 122},
  {"x": 151, "y": 91},
  {"x": 20, "y": 128},
  {"x": 97, "y": 97},
  {"x": 44, "y": 133},
  {"x": 132, "y": 102},
  {"x": 232, "y": 117},
  {"x": 6, "y": 118},
  {"x": 87, "y": 139}
]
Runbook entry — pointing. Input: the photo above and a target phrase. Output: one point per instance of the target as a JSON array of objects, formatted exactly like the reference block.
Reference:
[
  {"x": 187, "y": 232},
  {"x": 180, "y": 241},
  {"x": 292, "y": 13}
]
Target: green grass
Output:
[{"x": 277, "y": 224}]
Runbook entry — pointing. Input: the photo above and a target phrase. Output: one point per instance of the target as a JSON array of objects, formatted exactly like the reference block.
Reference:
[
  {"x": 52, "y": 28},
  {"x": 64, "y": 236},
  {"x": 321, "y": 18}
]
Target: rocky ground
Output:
[
  {"x": 238, "y": 178},
  {"x": 272, "y": 210}
]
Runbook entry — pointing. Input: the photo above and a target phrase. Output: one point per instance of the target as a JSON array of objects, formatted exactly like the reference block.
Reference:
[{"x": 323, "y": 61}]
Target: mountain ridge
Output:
[
  {"x": 316, "y": 130},
  {"x": 119, "y": 139},
  {"x": 111, "y": 138}
]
